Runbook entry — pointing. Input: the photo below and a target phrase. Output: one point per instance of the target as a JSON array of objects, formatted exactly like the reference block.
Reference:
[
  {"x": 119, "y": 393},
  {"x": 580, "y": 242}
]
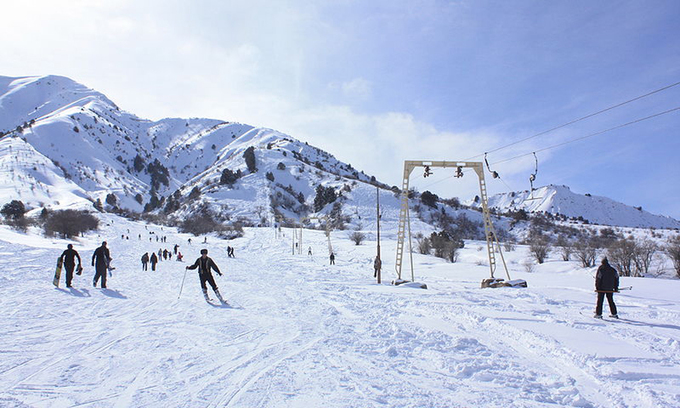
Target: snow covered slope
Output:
[
  {"x": 598, "y": 210},
  {"x": 301, "y": 333},
  {"x": 105, "y": 154}
]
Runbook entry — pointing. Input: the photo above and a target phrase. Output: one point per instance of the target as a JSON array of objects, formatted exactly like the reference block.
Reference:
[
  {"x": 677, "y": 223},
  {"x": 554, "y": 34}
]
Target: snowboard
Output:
[{"x": 57, "y": 273}]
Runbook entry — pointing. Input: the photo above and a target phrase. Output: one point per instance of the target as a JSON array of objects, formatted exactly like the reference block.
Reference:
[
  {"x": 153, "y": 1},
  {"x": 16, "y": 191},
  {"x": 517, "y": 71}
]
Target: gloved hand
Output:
[{"x": 219, "y": 273}]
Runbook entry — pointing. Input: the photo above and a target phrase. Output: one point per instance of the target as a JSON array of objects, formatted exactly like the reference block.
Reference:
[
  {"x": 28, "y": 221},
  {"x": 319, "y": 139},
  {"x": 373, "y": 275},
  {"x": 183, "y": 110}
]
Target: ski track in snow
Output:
[{"x": 298, "y": 332}]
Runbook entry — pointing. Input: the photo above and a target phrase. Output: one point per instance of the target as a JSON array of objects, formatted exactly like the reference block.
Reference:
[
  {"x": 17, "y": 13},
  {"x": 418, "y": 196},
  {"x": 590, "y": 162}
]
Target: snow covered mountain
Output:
[
  {"x": 64, "y": 145},
  {"x": 560, "y": 200}
]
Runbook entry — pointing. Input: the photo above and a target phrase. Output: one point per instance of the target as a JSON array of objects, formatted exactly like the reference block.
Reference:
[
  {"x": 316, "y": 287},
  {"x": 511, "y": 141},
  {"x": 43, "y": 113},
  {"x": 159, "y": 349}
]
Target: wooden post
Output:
[{"x": 377, "y": 189}]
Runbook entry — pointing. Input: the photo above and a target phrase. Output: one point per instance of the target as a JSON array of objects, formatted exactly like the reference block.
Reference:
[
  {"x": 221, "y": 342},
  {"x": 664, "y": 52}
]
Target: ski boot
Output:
[
  {"x": 205, "y": 295},
  {"x": 598, "y": 316},
  {"x": 219, "y": 296}
]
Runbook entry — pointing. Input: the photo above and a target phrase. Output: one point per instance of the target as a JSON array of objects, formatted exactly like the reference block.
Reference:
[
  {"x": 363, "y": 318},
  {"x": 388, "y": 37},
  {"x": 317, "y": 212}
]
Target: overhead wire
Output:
[
  {"x": 591, "y": 135},
  {"x": 580, "y": 119},
  {"x": 566, "y": 142},
  {"x": 571, "y": 140}
]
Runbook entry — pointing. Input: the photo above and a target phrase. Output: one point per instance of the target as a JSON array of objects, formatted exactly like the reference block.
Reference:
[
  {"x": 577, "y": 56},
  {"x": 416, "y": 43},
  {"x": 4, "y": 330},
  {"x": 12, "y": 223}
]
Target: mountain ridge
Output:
[{"x": 64, "y": 145}]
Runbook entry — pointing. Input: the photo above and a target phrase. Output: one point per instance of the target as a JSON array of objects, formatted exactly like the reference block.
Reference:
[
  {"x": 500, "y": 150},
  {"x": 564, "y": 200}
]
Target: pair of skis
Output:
[{"x": 223, "y": 303}]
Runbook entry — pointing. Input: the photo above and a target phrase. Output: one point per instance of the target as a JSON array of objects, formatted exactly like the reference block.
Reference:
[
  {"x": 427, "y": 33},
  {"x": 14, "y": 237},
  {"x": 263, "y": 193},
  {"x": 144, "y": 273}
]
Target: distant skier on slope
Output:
[
  {"x": 100, "y": 260},
  {"x": 69, "y": 258},
  {"x": 332, "y": 258},
  {"x": 606, "y": 283},
  {"x": 204, "y": 264}
]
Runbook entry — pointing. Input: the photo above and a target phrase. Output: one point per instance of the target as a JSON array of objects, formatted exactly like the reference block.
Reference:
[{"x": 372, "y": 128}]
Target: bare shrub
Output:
[
  {"x": 424, "y": 244},
  {"x": 621, "y": 254},
  {"x": 585, "y": 252},
  {"x": 70, "y": 223},
  {"x": 672, "y": 249},
  {"x": 509, "y": 246},
  {"x": 357, "y": 237},
  {"x": 539, "y": 246},
  {"x": 644, "y": 254}
]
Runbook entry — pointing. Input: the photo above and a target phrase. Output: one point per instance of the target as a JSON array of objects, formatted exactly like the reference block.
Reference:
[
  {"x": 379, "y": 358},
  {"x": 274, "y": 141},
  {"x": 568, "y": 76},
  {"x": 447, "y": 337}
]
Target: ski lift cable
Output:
[
  {"x": 590, "y": 135},
  {"x": 580, "y": 119}
]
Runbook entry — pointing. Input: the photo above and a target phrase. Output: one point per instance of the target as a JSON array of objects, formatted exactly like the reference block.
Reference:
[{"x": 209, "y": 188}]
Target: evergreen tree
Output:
[{"x": 249, "y": 156}]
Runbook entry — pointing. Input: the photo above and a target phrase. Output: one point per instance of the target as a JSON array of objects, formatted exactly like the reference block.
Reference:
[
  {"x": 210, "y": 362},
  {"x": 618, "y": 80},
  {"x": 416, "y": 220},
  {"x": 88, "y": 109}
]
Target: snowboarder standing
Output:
[
  {"x": 100, "y": 260},
  {"x": 145, "y": 261},
  {"x": 68, "y": 257},
  {"x": 606, "y": 283},
  {"x": 204, "y": 264}
]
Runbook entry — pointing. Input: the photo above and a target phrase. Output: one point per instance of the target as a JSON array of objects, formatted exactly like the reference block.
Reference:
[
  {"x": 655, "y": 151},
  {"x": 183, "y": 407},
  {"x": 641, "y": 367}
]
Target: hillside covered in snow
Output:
[
  {"x": 562, "y": 202},
  {"x": 63, "y": 145}
]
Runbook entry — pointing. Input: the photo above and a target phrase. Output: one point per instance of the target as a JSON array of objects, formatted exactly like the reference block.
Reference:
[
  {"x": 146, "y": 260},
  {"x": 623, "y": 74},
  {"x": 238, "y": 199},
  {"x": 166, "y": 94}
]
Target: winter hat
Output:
[{"x": 204, "y": 251}]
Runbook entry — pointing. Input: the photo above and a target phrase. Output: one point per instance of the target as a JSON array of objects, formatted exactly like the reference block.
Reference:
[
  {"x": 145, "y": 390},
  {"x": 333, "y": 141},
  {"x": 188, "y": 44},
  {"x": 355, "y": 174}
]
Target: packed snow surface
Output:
[{"x": 299, "y": 332}]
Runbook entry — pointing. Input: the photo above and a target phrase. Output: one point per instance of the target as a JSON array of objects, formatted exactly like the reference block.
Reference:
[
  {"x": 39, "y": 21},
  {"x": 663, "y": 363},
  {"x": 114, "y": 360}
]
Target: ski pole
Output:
[{"x": 182, "y": 286}]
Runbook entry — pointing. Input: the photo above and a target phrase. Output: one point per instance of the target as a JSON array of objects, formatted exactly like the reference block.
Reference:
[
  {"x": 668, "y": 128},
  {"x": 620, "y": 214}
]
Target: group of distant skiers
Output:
[
  {"x": 163, "y": 254},
  {"x": 606, "y": 279}
]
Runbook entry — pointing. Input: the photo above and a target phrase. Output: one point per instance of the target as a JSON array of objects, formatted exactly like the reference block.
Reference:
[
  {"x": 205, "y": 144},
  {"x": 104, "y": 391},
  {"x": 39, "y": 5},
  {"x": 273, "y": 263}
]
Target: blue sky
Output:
[{"x": 379, "y": 82}]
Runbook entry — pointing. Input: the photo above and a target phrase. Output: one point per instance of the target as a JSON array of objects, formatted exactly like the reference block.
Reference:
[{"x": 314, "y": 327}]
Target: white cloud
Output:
[{"x": 358, "y": 88}]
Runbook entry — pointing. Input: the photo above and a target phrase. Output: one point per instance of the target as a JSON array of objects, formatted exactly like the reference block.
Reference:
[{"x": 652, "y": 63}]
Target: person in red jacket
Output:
[
  {"x": 606, "y": 283},
  {"x": 204, "y": 265}
]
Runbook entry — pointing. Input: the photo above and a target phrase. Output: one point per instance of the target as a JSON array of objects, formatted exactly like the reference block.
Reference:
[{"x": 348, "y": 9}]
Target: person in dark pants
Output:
[
  {"x": 154, "y": 261},
  {"x": 606, "y": 283},
  {"x": 100, "y": 260},
  {"x": 332, "y": 258},
  {"x": 68, "y": 257},
  {"x": 145, "y": 261},
  {"x": 204, "y": 264}
]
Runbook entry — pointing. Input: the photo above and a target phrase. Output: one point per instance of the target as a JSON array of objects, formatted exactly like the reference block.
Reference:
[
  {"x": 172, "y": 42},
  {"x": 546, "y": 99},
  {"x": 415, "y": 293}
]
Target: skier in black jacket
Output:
[
  {"x": 68, "y": 257},
  {"x": 102, "y": 257},
  {"x": 204, "y": 264},
  {"x": 606, "y": 283}
]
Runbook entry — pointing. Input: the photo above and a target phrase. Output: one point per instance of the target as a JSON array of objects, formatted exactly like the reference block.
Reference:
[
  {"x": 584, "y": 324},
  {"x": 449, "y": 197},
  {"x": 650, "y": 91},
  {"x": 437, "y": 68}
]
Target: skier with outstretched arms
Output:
[{"x": 204, "y": 265}]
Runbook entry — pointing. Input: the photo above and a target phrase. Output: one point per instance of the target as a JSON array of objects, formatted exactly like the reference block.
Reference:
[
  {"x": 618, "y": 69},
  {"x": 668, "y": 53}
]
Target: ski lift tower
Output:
[{"x": 492, "y": 243}]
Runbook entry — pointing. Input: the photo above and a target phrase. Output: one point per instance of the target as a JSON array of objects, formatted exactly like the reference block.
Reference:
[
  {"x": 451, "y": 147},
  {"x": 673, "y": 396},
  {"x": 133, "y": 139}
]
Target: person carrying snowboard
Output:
[
  {"x": 68, "y": 257},
  {"x": 154, "y": 261},
  {"x": 606, "y": 283},
  {"x": 145, "y": 261},
  {"x": 100, "y": 260},
  {"x": 204, "y": 264}
]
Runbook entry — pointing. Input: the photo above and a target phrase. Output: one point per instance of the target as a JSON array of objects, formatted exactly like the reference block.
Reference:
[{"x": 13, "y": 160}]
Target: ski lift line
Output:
[
  {"x": 590, "y": 135},
  {"x": 580, "y": 119}
]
